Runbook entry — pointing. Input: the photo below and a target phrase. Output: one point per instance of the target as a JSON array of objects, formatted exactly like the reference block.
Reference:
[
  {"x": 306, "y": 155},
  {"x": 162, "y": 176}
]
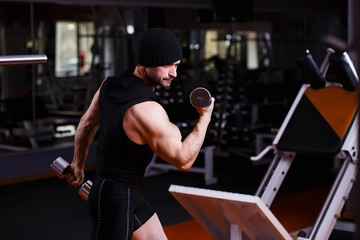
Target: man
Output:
[{"x": 132, "y": 126}]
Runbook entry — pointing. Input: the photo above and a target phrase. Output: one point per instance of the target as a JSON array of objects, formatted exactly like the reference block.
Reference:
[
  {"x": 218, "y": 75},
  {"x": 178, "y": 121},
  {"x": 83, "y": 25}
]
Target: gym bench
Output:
[{"x": 323, "y": 120}]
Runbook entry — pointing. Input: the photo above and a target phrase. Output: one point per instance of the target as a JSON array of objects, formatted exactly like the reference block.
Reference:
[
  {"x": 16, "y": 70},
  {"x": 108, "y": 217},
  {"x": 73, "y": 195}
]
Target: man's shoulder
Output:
[{"x": 148, "y": 106}]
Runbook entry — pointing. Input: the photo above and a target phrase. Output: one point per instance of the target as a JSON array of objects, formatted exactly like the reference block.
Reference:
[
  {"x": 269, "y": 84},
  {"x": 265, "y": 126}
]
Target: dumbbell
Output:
[
  {"x": 61, "y": 167},
  {"x": 200, "y": 98}
]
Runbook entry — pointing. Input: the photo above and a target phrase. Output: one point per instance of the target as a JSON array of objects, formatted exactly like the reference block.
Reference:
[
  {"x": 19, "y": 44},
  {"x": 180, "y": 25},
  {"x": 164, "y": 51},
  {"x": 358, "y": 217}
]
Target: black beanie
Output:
[{"x": 158, "y": 47}]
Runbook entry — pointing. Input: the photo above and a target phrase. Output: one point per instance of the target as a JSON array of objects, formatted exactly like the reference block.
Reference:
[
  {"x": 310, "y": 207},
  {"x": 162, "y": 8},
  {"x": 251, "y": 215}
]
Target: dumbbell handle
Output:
[{"x": 61, "y": 167}]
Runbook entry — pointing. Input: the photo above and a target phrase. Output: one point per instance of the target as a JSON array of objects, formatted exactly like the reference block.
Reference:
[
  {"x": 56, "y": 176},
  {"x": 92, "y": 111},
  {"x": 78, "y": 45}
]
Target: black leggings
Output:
[{"x": 116, "y": 210}]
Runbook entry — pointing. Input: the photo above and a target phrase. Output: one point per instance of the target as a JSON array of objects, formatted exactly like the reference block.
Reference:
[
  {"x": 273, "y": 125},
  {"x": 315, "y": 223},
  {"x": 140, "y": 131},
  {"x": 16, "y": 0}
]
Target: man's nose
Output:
[{"x": 173, "y": 71}]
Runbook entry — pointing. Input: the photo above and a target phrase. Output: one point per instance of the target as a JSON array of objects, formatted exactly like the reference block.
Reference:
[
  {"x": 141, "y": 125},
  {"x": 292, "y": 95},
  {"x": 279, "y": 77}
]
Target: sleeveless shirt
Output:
[{"x": 118, "y": 158}]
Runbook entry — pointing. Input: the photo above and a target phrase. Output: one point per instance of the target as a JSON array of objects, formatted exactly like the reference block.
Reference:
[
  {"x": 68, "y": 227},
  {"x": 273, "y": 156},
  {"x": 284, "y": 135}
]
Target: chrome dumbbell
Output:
[
  {"x": 200, "y": 98},
  {"x": 85, "y": 189},
  {"x": 61, "y": 167}
]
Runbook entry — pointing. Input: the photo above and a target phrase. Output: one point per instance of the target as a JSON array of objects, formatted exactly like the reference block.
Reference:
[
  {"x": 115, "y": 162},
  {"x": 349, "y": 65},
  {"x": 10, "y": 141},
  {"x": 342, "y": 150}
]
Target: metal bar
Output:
[
  {"x": 274, "y": 177},
  {"x": 335, "y": 200},
  {"x": 325, "y": 63},
  {"x": 23, "y": 59}
]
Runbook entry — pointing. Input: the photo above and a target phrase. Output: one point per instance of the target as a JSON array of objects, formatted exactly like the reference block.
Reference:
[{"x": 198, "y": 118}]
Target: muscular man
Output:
[{"x": 132, "y": 126}]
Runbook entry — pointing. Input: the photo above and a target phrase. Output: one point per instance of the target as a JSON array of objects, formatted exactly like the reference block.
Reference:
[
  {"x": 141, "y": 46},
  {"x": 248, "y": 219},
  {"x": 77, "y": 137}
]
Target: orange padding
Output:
[
  {"x": 189, "y": 230},
  {"x": 299, "y": 210},
  {"x": 336, "y": 105}
]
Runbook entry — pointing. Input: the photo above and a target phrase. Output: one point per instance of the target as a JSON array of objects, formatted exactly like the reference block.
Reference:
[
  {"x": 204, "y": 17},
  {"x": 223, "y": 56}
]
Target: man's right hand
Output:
[{"x": 76, "y": 176}]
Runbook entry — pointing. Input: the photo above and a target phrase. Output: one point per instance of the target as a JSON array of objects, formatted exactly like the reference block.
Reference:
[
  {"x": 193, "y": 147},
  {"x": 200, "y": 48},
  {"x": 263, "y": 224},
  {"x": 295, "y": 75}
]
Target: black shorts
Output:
[{"x": 116, "y": 210}]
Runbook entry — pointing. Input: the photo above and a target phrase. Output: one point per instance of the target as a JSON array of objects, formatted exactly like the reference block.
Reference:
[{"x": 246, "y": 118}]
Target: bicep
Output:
[
  {"x": 92, "y": 115},
  {"x": 154, "y": 128}
]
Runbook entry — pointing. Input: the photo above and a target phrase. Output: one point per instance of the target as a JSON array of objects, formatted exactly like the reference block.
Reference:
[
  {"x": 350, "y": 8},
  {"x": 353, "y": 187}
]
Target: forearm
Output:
[
  {"x": 192, "y": 144},
  {"x": 84, "y": 136},
  {"x": 85, "y": 132}
]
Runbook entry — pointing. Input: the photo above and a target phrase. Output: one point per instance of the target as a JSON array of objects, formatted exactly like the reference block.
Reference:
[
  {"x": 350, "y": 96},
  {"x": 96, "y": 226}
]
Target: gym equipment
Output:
[
  {"x": 214, "y": 210},
  {"x": 344, "y": 70},
  {"x": 223, "y": 129},
  {"x": 19, "y": 129},
  {"x": 85, "y": 189},
  {"x": 61, "y": 167},
  {"x": 21, "y": 124},
  {"x": 321, "y": 121},
  {"x": 200, "y": 98},
  {"x": 312, "y": 73},
  {"x": 23, "y": 59}
]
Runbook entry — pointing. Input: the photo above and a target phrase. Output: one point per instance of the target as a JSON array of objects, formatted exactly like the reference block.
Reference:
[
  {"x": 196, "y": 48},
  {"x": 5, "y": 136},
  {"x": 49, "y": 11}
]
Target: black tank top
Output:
[{"x": 119, "y": 158}]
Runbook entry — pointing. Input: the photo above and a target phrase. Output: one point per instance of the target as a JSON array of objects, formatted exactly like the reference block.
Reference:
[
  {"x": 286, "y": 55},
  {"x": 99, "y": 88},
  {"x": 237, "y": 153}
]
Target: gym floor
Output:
[{"x": 51, "y": 209}]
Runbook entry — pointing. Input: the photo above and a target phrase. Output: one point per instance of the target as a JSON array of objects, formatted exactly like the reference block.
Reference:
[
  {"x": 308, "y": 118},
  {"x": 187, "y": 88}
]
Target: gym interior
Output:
[{"x": 283, "y": 74}]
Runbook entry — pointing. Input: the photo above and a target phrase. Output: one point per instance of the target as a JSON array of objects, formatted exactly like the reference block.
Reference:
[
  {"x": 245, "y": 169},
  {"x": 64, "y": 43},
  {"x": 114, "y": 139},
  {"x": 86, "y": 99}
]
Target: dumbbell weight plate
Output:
[
  {"x": 85, "y": 189},
  {"x": 59, "y": 167},
  {"x": 200, "y": 98}
]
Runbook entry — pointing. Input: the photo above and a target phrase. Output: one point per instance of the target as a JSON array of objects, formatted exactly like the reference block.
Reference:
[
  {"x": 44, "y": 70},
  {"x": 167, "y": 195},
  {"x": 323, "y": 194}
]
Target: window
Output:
[
  {"x": 74, "y": 41},
  {"x": 223, "y": 45}
]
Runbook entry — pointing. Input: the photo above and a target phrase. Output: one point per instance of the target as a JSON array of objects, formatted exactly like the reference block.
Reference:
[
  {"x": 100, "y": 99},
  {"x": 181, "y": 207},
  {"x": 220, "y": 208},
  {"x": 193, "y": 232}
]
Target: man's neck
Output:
[{"x": 141, "y": 73}]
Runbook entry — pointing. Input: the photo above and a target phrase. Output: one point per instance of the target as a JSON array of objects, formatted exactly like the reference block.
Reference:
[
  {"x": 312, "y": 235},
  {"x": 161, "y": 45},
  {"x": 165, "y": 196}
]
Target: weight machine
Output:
[{"x": 323, "y": 119}]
